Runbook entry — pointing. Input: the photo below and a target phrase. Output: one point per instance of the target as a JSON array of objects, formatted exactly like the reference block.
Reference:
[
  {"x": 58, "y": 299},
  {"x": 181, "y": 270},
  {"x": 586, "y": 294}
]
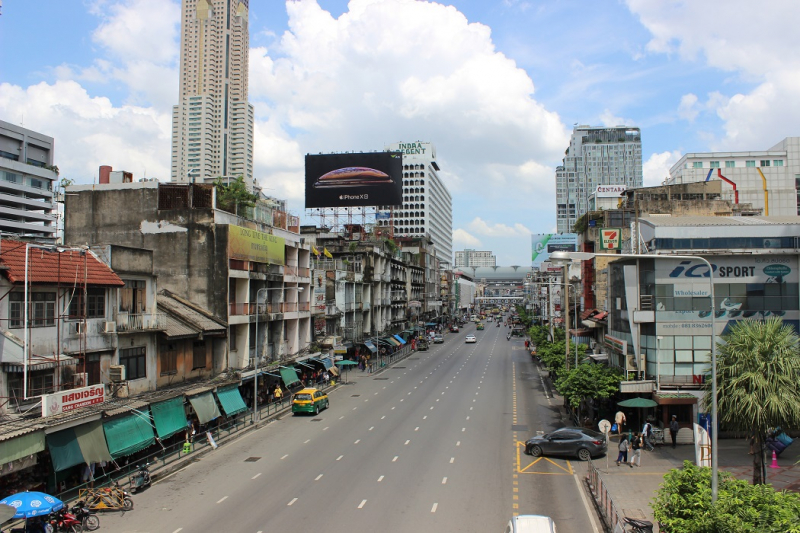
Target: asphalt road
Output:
[{"x": 433, "y": 443}]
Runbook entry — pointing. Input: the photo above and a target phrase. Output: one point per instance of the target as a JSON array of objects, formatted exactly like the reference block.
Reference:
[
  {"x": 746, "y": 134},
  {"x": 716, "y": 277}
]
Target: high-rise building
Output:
[
  {"x": 475, "y": 258},
  {"x": 27, "y": 176},
  {"x": 212, "y": 125},
  {"x": 595, "y": 157},
  {"x": 427, "y": 208}
]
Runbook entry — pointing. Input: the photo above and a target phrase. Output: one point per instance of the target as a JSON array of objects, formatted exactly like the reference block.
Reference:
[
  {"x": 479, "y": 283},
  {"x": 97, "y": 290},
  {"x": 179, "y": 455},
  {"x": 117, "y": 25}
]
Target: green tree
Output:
[
  {"x": 587, "y": 381},
  {"x": 233, "y": 196},
  {"x": 758, "y": 366},
  {"x": 683, "y": 504}
]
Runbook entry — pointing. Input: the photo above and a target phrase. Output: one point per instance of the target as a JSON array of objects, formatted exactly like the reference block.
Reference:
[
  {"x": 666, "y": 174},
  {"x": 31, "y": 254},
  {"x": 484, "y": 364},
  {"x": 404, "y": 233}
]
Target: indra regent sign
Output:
[{"x": 62, "y": 402}]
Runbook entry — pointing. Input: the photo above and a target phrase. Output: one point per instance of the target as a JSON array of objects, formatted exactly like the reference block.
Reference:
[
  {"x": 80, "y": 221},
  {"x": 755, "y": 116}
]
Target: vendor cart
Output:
[{"x": 106, "y": 499}]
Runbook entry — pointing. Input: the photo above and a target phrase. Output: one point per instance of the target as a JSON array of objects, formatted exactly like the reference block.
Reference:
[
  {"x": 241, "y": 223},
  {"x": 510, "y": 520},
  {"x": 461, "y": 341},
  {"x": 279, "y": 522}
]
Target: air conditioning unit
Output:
[
  {"x": 109, "y": 327},
  {"x": 116, "y": 373},
  {"x": 80, "y": 328},
  {"x": 80, "y": 380}
]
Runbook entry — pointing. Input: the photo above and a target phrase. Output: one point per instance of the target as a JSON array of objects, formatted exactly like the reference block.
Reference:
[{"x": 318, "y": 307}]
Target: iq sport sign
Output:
[{"x": 543, "y": 244}]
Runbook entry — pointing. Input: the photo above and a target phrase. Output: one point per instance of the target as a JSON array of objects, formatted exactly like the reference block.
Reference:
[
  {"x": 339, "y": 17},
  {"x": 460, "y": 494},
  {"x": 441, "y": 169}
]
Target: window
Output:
[
  {"x": 199, "y": 355},
  {"x": 730, "y": 164},
  {"x": 749, "y": 163},
  {"x": 168, "y": 359},
  {"x": 697, "y": 164},
  {"x": 714, "y": 164},
  {"x": 134, "y": 359},
  {"x": 132, "y": 296},
  {"x": 42, "y": 309},
  {"x": 777, "y": 163},
  {"x": 95, "y": 304},
  {"x": 764, "y": 162}
]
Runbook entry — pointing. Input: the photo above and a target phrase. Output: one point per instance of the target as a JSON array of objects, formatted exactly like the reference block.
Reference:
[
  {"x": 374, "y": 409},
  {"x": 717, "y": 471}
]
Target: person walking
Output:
[
  {"x": 622, "y": 457},
  {"x": 620, "y": 419},
  {"x": 673, "y": 430},
  {"x": 636, "y": 446},
  {"x": 278, "y": 393},
  {"x": 647, "y": 434}
]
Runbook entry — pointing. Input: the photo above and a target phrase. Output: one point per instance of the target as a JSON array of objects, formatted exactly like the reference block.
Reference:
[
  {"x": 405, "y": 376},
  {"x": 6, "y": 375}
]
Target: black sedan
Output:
[{"x": 580, "y": 442}]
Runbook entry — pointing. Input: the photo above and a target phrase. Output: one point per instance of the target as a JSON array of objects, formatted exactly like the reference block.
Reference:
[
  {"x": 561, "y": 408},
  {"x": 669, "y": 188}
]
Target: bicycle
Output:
[{"x": 639, "y": 526}]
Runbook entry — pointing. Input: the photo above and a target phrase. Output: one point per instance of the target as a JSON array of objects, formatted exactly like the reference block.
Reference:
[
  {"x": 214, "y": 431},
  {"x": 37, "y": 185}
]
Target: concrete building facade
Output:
[
  {"x": 27, "y": 184},
  {"x": 474, "y": 258},
  {"x": 212, "y": 124},
  {"x": 595, "y": 157}
]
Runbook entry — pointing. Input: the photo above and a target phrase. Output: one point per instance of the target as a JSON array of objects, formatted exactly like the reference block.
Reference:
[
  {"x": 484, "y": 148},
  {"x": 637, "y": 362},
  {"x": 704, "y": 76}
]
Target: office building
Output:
[
  {"x": 595, "y": 157},
  {"x": 769, "y": 180},
  {"x": 212, "y": 125},
  {"x": 427, "y": 208},
  {"x": 475, "y": 258},
  {"x": 27, "y": 180}
]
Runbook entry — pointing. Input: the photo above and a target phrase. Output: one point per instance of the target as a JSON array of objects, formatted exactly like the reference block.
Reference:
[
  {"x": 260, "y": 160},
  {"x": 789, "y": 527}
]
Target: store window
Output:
[
  {"x": 134, "y": 361},
  {"x": 95, "y": 303}
]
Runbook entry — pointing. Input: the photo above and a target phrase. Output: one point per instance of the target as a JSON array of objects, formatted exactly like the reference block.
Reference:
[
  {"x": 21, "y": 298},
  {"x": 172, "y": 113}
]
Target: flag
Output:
[
  {"x": 314, "y": 250},
  {"x": 327, "y": 253}
]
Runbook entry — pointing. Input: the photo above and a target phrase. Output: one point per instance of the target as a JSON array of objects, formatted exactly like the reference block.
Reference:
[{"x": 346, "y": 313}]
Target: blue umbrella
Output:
[{"x": 30, "y": 504}]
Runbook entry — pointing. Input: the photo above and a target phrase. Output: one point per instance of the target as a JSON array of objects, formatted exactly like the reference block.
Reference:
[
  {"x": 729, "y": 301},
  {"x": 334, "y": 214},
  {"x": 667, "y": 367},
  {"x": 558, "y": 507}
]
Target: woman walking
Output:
[
  {"x": 623, "y": 451},
  {"x": 636, "y": 446}
]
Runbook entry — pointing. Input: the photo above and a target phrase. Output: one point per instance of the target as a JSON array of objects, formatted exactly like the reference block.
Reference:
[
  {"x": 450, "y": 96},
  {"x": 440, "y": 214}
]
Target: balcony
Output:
[{"x": 134, "y": 322}]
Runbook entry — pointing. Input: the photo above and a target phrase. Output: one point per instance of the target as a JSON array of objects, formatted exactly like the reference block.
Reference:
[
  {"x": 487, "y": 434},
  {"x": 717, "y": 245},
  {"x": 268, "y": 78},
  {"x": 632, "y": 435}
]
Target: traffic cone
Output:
[{"x": 774, "y": 460}]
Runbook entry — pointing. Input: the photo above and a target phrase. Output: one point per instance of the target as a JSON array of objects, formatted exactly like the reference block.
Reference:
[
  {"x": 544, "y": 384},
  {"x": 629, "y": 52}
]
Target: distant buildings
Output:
[
  {"x": 27, "y": 180},
  {"x": 475, "y": 258},
  {"x": 427, "y": 205},
  {"x": 212, "y": 125},
  {"x": 595, "y": 157},
  {"x": 769, "y": 180}
]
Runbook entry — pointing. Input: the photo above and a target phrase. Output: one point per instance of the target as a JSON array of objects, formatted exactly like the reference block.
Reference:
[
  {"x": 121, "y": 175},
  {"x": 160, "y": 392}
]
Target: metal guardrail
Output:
[{"x": 608, "y": 510}]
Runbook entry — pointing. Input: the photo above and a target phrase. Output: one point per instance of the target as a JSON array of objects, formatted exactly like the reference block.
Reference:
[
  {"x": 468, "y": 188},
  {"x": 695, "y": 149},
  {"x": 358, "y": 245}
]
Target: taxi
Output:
[
  {"x": 480, "y": 325},
  {"x": 309, "y": 400}
]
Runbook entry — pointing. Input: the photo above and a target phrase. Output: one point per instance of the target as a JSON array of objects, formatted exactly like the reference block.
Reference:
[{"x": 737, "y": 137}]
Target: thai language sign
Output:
[
  {"x": 251, "y": 245},
  {"x": 62, "y": 402}
]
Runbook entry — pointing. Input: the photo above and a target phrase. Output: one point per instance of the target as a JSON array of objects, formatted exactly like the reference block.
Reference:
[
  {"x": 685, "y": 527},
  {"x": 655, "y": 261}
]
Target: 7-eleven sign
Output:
[{"x": 610, "y": 238}]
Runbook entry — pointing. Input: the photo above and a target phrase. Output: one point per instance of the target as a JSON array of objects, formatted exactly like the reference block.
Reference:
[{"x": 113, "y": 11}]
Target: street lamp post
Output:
[
  {"x": 565, "y": 257},
  {"x": 255, "y": 355}
]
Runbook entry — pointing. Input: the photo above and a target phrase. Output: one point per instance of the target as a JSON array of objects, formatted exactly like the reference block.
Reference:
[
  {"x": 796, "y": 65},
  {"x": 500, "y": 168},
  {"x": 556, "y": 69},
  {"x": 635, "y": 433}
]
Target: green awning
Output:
[
  {"x": 22, "y": 446},
  {"x": 231, "y": 400},
  {"x": 92, "y": 442},
  {"x": 205, "y": 407},
  {"x": 128, "y": 434},
  {"x": 64, "y": 449},
  {"x": 169, "y": 417},
  {"x": 289, "y": 376}
]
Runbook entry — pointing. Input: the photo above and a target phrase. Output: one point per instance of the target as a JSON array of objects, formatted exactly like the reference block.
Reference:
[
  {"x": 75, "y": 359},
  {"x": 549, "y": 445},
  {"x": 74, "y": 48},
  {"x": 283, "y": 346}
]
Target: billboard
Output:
[
  {"x": 65, "y": 401},
  {"x": 251, "y": 245},
  {"x": 609, "y": 191},
  {"x": 543, "y": 244},
  {"x": 349, "y": 180}
]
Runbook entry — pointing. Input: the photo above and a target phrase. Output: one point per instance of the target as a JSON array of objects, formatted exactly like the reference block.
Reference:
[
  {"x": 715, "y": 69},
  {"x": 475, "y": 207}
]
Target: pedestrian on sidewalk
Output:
[
  {"x": 673, "y": 430},
  {"x": 636, "y": 446},
  {"x": 620, "y": 419},
  {"x": 278, "y": 393},
  {"x": 622, "y": 457},
  {"x": 647, "y": 434}
]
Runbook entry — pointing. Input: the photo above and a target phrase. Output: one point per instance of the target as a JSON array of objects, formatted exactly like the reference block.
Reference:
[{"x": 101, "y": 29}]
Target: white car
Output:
[{"x": 471, "y": 338}]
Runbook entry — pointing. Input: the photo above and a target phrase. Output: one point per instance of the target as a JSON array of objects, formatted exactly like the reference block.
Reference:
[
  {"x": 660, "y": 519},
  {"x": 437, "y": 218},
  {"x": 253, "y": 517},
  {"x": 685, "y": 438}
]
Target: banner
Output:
[
  {"x": 62, "y": 402},
  {"x": 251, "y": 245}
]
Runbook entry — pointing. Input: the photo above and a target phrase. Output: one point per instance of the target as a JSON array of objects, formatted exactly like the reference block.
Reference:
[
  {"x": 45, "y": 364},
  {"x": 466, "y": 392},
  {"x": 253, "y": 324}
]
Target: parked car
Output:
[
  {"x": 471, "y": 338},
  {"x": 580, "y": 442},
  {"x": 438, "y": 339},
  {"x": 309, "y": 401}
]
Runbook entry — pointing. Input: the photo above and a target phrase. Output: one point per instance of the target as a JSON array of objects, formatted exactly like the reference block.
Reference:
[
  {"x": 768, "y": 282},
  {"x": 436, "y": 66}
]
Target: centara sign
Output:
[
  {"x": 610, "y": 191},
  {"x": 61, "y": 402}
]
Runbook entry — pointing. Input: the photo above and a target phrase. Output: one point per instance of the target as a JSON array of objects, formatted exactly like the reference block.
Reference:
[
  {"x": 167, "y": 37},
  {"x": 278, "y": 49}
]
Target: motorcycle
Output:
[
  {"x": 87, "y": 517},
  {"x": 63, "y": 520},
  {"x": 140, "y": 478}
]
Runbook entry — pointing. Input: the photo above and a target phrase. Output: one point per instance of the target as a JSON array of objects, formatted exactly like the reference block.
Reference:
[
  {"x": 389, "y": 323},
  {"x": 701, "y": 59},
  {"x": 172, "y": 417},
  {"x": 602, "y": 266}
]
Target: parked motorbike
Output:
[
  {"x": 63, "y": 520},
  {"x": 140, "y": 478},
  {"x": 127, "y": 500},
  {"x": 87, "y": 517}
]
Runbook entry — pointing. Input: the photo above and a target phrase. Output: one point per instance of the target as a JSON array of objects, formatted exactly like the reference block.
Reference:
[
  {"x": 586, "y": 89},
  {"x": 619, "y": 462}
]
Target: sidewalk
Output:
[{"x": 633, "y": 489}]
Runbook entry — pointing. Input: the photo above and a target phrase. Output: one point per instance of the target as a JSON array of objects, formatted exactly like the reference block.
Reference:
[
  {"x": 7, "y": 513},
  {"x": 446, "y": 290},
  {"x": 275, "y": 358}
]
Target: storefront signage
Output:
[
  {"x": 610, "y": 238},
  {"x": 609, "y": 191},
  {"x": 251, "y": 245},
  {"x": 618, "y": 344},
  {"x": 62, "y": 402}
]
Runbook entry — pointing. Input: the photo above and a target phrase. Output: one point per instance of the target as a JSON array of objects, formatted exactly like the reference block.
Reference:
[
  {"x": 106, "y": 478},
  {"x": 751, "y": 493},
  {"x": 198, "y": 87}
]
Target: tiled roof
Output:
[{"x": 66, "y": 266}]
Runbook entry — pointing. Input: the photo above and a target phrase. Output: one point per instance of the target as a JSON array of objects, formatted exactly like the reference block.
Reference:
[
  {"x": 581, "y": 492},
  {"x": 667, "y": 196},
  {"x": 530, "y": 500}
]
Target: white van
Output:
[{"x": 531, "y": 523}]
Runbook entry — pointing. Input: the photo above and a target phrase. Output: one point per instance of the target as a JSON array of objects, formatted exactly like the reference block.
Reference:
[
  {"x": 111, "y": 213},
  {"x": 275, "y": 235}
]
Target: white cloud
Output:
[
  {"x": 463, "y": 239},
  {"x": 481, "y": 227},
  {"x": 656, "y": 169},
  {"x": 688, "y": 109},
  {"x": 608, "y": 119}
]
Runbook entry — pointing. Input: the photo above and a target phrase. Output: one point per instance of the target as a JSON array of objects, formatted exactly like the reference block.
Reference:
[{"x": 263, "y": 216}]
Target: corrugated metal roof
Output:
[
  {"x": 67, "y": 267},
  {"x": 693, "y": 221},
  {"x": 185, "y": 319}
]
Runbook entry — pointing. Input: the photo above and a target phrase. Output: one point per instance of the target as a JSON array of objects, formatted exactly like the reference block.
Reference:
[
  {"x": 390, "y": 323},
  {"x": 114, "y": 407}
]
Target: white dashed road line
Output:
[
  {"x": 361, "y": 505},
  {"x": 292, "y": 502},
  {"x": 222, "y": 499},
  {"x": 254, "y": 477}
]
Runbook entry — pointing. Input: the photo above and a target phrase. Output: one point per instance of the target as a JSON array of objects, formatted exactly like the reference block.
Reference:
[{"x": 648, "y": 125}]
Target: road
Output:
[{"x": 433, "y": 443}]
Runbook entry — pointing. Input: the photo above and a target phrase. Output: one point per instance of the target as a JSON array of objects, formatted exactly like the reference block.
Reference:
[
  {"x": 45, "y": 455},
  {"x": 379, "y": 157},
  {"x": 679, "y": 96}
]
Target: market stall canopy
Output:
[
  {"x": 205, "y": 407},
  {"x": 64, "y": 449},
  {"x": 21, "y": 446},
  {"x": 372, "y": 348},
  {"x": 325, "y": 361},
  {"x": 638, "y": 402},
  {"x": 402, "y": 340},
  {"x": 6, "y": 512},
  {"x": 92, "y": 442},
  {"x": 231, "y": 400},
  {"x": 346, "y": 363},
  {"x": 169, "y": 417},
  {"x": 289, "y": 376},
  {"x": 128, "y": 434}
]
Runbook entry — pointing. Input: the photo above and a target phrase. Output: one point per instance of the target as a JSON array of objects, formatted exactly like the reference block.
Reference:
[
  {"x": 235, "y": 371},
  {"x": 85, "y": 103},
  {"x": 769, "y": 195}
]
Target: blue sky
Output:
[{"x": 496, "y": 85}]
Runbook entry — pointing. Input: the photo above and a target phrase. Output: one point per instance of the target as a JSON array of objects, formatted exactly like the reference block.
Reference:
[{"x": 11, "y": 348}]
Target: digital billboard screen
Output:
[
  {"x": 350, "y": 180},
  {"x": 542, "y": 245}
]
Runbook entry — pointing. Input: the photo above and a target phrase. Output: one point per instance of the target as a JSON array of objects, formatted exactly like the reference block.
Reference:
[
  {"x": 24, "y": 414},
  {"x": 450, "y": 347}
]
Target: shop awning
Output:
[
  {"x": 92, "y": 442},
  {"x": 372, "y": 348},
  {"x": 325, "y": 361},
  {"x": 128, "y": 434},
  {"x": 205, "y": 407},
  {"x": 399, "y": 338},
  {"x": 231, "y": 400},
  {"x": 392, "y": 341},
  {"x": 64, "y": 449},
  {"x": 289, "y": 376},
  {"x": 169, "y": 417},
  {"x": 21, "y": 446}
]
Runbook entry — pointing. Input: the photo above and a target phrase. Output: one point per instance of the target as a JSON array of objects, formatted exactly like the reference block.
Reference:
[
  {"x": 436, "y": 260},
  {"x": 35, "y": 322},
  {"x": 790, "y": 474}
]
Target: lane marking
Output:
[
  {"x": 416, "y": 428},
  {"x": 406, "y": 444},
  {"x": 357, "y": 441},
  {"x": 458, "y": 443},
  {"x": 339, "y": 458},
  {"x": 371, "y": 428},
  {"x": 222, "y": 499},
  {"x": 384, "y": 416},
  {"x": 395, "y": 458},
  {"x": 292, "y": 502},
  {"x": 318, "y": 477},
  {"x": 181, "y": 529},
  {"x": 433, "y": 509},
  {"x": 463, "y": 430},
  {"x": 452, "y": 460},
  {"x": 307, "y": 441},
  {"x": 284, "y": 457},
  {"x": 444, "y": 481},
  {"x": 589, "y": 511},
  {"x": 254, "y": 477},
  {"x": 380, "y": 479},
  {"x": 425, "y": 417},
  {"x": 361, "y": 505},
  {"x": 325, "y": 428}
]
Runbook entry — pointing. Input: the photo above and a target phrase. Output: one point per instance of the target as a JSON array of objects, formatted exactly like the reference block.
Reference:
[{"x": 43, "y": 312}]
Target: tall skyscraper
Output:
[
  {"x": 596, "y": 156},
  {"x": 212, "y": 125},
  {"x": 427, "y": 205},
  {"x": 475, "y": 258}
]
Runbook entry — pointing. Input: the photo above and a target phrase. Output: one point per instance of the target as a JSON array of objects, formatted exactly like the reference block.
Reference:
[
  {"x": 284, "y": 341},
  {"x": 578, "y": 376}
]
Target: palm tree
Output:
[{"x": 758, "y": 366}]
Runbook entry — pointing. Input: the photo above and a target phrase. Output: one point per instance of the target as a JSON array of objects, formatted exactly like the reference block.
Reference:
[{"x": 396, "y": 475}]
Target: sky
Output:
[{"x": 496, "y": 85}]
